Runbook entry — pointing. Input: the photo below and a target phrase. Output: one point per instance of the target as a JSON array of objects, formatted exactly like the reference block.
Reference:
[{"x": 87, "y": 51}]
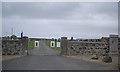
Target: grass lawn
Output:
[
  {"x": 48, "y": 42},
  {"x": 56, "y": 49},
  {"x": 31, "y": 44}
]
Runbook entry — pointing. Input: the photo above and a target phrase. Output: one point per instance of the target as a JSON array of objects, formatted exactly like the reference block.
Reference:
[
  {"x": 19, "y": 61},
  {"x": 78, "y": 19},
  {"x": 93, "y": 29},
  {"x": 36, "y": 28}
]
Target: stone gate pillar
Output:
[
  {"x": 63, "y": 45},
  {"x": 113, "y": 44},
  {"x": 113, "y": 48},
  {"x": 24, "y": 45}
]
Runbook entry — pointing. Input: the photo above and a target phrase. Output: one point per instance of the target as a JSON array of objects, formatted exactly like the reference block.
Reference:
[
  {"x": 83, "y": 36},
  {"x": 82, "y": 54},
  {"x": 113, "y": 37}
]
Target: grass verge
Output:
[
  {"x": 56, "y": 49},
  {"x": 31, "y": 44}
]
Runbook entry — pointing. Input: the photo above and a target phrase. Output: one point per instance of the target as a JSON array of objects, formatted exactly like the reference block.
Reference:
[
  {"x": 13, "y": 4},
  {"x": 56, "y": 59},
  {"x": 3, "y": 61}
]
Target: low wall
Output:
[
  {"x": 83, "y": 47},
  {"x": 15, "y": 47}
]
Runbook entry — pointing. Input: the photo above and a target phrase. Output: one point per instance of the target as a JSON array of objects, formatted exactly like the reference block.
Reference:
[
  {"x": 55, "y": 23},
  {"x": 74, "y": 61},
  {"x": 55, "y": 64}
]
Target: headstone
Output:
[
  {"x": 52, "y": 44},
  {"x": 58, "y": 44},
  {"x": 36, "y": 44}
]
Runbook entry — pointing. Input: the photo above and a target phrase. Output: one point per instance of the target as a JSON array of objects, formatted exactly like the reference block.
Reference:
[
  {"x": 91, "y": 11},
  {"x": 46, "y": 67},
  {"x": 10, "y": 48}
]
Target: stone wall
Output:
[
  {"x": 101, "y": 49},
  {"x": 101, "y": 46},
  {"x": 79, "y": 48},
  {"x": 15, "y": 47},
  {"x": 82, "y": 47}
]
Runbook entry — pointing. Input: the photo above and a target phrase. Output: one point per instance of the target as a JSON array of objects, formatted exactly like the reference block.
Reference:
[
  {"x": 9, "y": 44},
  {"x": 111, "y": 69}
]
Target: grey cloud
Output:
[
  {"x": 0, "y": 19},
  {"x": 61, "y": 19},
  {"x": 119, "y": 18},
  {"x": 59, "y": 28},
  {"x": 38, "y": 10},
  {"x": 57, "y": 10}
]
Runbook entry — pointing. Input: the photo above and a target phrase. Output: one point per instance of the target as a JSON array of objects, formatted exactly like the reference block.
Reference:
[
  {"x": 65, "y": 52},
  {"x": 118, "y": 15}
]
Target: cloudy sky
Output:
[
  {"x": 56, "y": 19},
  {"x": 0, "y": 19}
]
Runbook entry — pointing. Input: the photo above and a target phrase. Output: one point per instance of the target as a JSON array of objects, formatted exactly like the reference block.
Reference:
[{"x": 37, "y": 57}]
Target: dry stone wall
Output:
[
  {"x": 15, "y": 47},
  {"x": 11, "y": 47},
  {"x": 79, "y": 48},
  {"x": 101, "y": 46}
]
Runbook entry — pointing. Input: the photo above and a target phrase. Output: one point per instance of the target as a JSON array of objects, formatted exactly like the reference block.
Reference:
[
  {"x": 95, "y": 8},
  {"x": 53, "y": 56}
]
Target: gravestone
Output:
[
  {"x": 52, "y": 44},
  {"x": 36, "y": 44}
]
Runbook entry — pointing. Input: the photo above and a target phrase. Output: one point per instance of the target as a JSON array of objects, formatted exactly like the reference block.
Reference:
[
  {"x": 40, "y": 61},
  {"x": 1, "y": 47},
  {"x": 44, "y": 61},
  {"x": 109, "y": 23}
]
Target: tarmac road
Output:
[{"x": 44, "y": 58}]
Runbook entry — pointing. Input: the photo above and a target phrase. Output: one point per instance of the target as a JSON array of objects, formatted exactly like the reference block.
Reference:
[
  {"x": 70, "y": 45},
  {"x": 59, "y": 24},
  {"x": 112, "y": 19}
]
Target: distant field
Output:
[{"x": 31, "y": 44}]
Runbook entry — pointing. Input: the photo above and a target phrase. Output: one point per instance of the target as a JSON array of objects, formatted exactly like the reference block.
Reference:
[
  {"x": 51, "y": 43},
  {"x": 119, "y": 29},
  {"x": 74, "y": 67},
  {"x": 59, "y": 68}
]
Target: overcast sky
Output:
[
  {"x": 0, "y": 19},
  {"x": 56, "y": 19}
]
